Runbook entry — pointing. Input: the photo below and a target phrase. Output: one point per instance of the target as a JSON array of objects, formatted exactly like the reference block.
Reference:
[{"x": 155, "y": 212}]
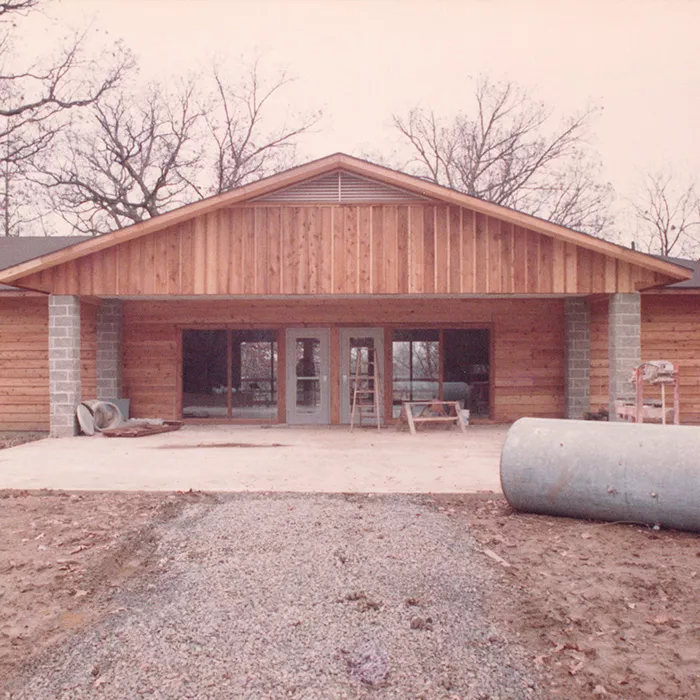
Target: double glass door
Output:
[{"x": 308, "y": 371}]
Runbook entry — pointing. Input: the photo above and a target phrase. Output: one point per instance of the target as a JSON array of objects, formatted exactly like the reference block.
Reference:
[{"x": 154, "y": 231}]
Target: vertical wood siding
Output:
[{"x": 343, "y": 249}]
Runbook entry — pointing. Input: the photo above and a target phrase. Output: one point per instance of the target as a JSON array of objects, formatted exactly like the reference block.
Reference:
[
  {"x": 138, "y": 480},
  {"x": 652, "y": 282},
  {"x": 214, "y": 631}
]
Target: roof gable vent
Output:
[{"x": 340, "y": 187}]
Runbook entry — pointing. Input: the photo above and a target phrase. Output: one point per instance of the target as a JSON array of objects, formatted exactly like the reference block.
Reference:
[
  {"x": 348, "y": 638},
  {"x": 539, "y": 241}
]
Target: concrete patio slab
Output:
[{"x": 237, "y": 458}]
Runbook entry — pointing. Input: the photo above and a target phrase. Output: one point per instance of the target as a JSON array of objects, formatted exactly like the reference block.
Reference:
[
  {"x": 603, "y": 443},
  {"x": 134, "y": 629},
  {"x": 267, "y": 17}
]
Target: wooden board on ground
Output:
[{"x": 144, "y": 429}]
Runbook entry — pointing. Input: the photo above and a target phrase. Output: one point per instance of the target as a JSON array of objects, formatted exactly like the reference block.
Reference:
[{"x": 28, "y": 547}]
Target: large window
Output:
[
  {"x": 416, "y": 357},
  {"x": 465, "y": 372},
  {"x": 204, "y": 374},
  {"x": 452, "y": 365},
  {"x": 229, "y": 374}
]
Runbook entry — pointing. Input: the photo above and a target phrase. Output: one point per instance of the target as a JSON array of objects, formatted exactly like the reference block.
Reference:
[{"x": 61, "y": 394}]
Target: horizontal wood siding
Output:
[
  {"x": 150, "y": 372},
  {"x": 671, "y": 331},
  {"x": 600, "y": 367},
  {"x": 24, "y": 364},
  {"x": 343, "y": 249},
  {"x": 528, "y": 342},
  {"x": 88, "y": 351}
]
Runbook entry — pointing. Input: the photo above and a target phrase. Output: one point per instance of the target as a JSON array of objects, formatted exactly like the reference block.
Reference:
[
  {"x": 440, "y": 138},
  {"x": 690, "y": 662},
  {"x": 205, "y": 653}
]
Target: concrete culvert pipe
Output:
[
  {"x": 105, "y": 414},
  {"x": 606, "y": 471}
]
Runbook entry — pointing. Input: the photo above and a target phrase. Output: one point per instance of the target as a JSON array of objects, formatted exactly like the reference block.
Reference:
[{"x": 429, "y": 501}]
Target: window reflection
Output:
[
  {"x": 417, "y": 355},
  {"x": 247, "y": 389}
]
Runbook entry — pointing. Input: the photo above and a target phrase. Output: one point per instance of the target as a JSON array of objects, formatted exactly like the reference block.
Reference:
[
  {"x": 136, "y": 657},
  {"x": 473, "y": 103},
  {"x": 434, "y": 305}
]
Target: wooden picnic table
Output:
[{"x": 433, "y": 411}]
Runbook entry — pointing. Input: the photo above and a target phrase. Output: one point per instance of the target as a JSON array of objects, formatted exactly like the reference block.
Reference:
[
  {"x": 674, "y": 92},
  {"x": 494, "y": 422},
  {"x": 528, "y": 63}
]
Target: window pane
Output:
[
  {"x": 466, "y": 369},
  {"x": 308, "y": 369},
  {"x": 254, "y": 374},
  {"x": 204, "y": 374},
  {"x": 360, "y": 347},
  {"x": 416, "y": 365}
]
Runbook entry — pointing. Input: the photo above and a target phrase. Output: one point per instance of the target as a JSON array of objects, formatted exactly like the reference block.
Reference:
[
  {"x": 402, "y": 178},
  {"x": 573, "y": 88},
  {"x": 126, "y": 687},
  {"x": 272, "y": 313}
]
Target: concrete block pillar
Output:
[
  {"x": 578, "y": 357},
  {"x": 109, "y": 349},
  {"x": 624, "y": 345},
  {"x": 64, "y": 364}
]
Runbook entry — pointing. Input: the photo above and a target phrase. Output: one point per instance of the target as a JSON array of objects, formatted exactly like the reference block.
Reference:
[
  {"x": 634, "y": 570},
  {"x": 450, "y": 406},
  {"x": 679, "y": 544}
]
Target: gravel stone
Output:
[{"x": 294, "y": 595}]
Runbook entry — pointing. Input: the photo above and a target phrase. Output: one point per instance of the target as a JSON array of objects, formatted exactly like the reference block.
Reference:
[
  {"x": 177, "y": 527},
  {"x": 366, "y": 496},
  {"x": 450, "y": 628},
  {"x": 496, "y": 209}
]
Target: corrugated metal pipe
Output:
[{"x": 625, "y": 472}]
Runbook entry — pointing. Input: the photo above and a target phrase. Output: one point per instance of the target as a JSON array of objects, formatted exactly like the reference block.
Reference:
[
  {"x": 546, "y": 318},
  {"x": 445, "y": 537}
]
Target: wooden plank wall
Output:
[
  {"x": 343, "y": 249},
  {"x": 600, "y": 367},
  {"x": 88, "y": 350},
  {"x": 24, "y": 364},
  {"x": 671, "y": 331},
  {"x": 528, "y": 339}
]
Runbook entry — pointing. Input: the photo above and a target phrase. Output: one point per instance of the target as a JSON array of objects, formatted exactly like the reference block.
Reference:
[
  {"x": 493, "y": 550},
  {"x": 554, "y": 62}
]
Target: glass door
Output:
[
  {"x": 308, "y": 365},
  {"x": 354, "y": 343}
]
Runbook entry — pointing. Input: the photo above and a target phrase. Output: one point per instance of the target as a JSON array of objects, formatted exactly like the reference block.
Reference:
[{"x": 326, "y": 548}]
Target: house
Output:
[{"x": 252, "y": 305}]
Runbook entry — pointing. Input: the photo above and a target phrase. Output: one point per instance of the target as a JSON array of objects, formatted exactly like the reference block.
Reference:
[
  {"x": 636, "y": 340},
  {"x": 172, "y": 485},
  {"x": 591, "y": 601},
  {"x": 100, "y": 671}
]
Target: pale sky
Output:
[{"x": 362, "y": 60}]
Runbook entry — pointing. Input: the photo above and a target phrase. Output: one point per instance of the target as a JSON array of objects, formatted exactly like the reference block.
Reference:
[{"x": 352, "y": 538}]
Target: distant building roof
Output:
[
  {"x": 18, "y": 249},
  {"x": 694, "y": 265}
]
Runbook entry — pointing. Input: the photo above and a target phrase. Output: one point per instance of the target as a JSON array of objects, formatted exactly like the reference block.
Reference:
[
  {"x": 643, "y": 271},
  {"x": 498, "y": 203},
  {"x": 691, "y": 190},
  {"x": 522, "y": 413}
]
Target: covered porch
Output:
[{"x": 293, "y": 361}]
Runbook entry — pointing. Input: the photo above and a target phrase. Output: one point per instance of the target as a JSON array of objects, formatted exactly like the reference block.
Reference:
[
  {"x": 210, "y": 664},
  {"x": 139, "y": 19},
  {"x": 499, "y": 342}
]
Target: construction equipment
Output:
[
  {"x": 656, "y": 373},
  {"x": 615, "y": 471},
  {"x": 366, "y": 401}
]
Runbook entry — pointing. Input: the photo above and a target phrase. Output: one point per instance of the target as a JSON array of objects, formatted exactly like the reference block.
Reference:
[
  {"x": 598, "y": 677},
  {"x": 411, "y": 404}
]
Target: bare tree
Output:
[
  {"x": 249, "y": 132},
  {"x": 16, "y": 6},
  {"x": 507, "y": 152},
  {"x": 131, "y": 159},
  {"x": 668, "y": 216},
  {"x": 136, "y": 158},
  {"x": 36, "y": 103}
]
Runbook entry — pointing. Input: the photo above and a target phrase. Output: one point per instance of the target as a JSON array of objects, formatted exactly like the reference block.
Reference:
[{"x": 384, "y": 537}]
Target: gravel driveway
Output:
[{"x": 304, "y": 596}]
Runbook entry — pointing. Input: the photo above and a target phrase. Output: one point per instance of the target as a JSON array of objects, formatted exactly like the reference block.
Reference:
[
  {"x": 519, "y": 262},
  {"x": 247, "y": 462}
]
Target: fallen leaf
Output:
[
  {"x": 492, "y": 555},
  {"x": 576, "y": 668}
]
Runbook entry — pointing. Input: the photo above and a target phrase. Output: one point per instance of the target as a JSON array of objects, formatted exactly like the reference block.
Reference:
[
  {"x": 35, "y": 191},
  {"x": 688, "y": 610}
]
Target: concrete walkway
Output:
[{"x": 210, "y": 458}]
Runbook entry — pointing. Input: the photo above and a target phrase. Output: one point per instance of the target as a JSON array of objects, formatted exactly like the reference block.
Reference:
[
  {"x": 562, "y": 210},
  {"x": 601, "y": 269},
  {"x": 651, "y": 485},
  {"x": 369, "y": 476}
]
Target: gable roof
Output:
[
  {"x": 356, "y": 166},
  {"x": 15, "y": 250}
]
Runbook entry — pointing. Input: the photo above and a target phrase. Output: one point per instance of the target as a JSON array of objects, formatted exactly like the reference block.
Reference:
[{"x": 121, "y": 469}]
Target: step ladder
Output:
[{"x": 366, "y": 401}]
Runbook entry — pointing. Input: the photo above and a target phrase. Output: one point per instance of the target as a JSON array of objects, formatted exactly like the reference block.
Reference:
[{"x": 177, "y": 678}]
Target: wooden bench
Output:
[{"x": 433, "y": 411}]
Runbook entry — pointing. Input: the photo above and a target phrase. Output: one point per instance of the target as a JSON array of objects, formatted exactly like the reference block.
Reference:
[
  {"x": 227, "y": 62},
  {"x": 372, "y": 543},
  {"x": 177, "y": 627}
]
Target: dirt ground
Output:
[
  {"x": 62, "y": 557},
  {"x": 608, "y": 610}
]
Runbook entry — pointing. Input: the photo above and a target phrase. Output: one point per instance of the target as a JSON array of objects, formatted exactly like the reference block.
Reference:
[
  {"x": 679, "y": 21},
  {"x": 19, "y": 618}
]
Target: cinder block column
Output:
[
  {"x": 109, "y": 349},
  {"x": 64, "y": 364},
  {"x": 578, "y": 357},
  {"x": 624, "y": 345}
]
